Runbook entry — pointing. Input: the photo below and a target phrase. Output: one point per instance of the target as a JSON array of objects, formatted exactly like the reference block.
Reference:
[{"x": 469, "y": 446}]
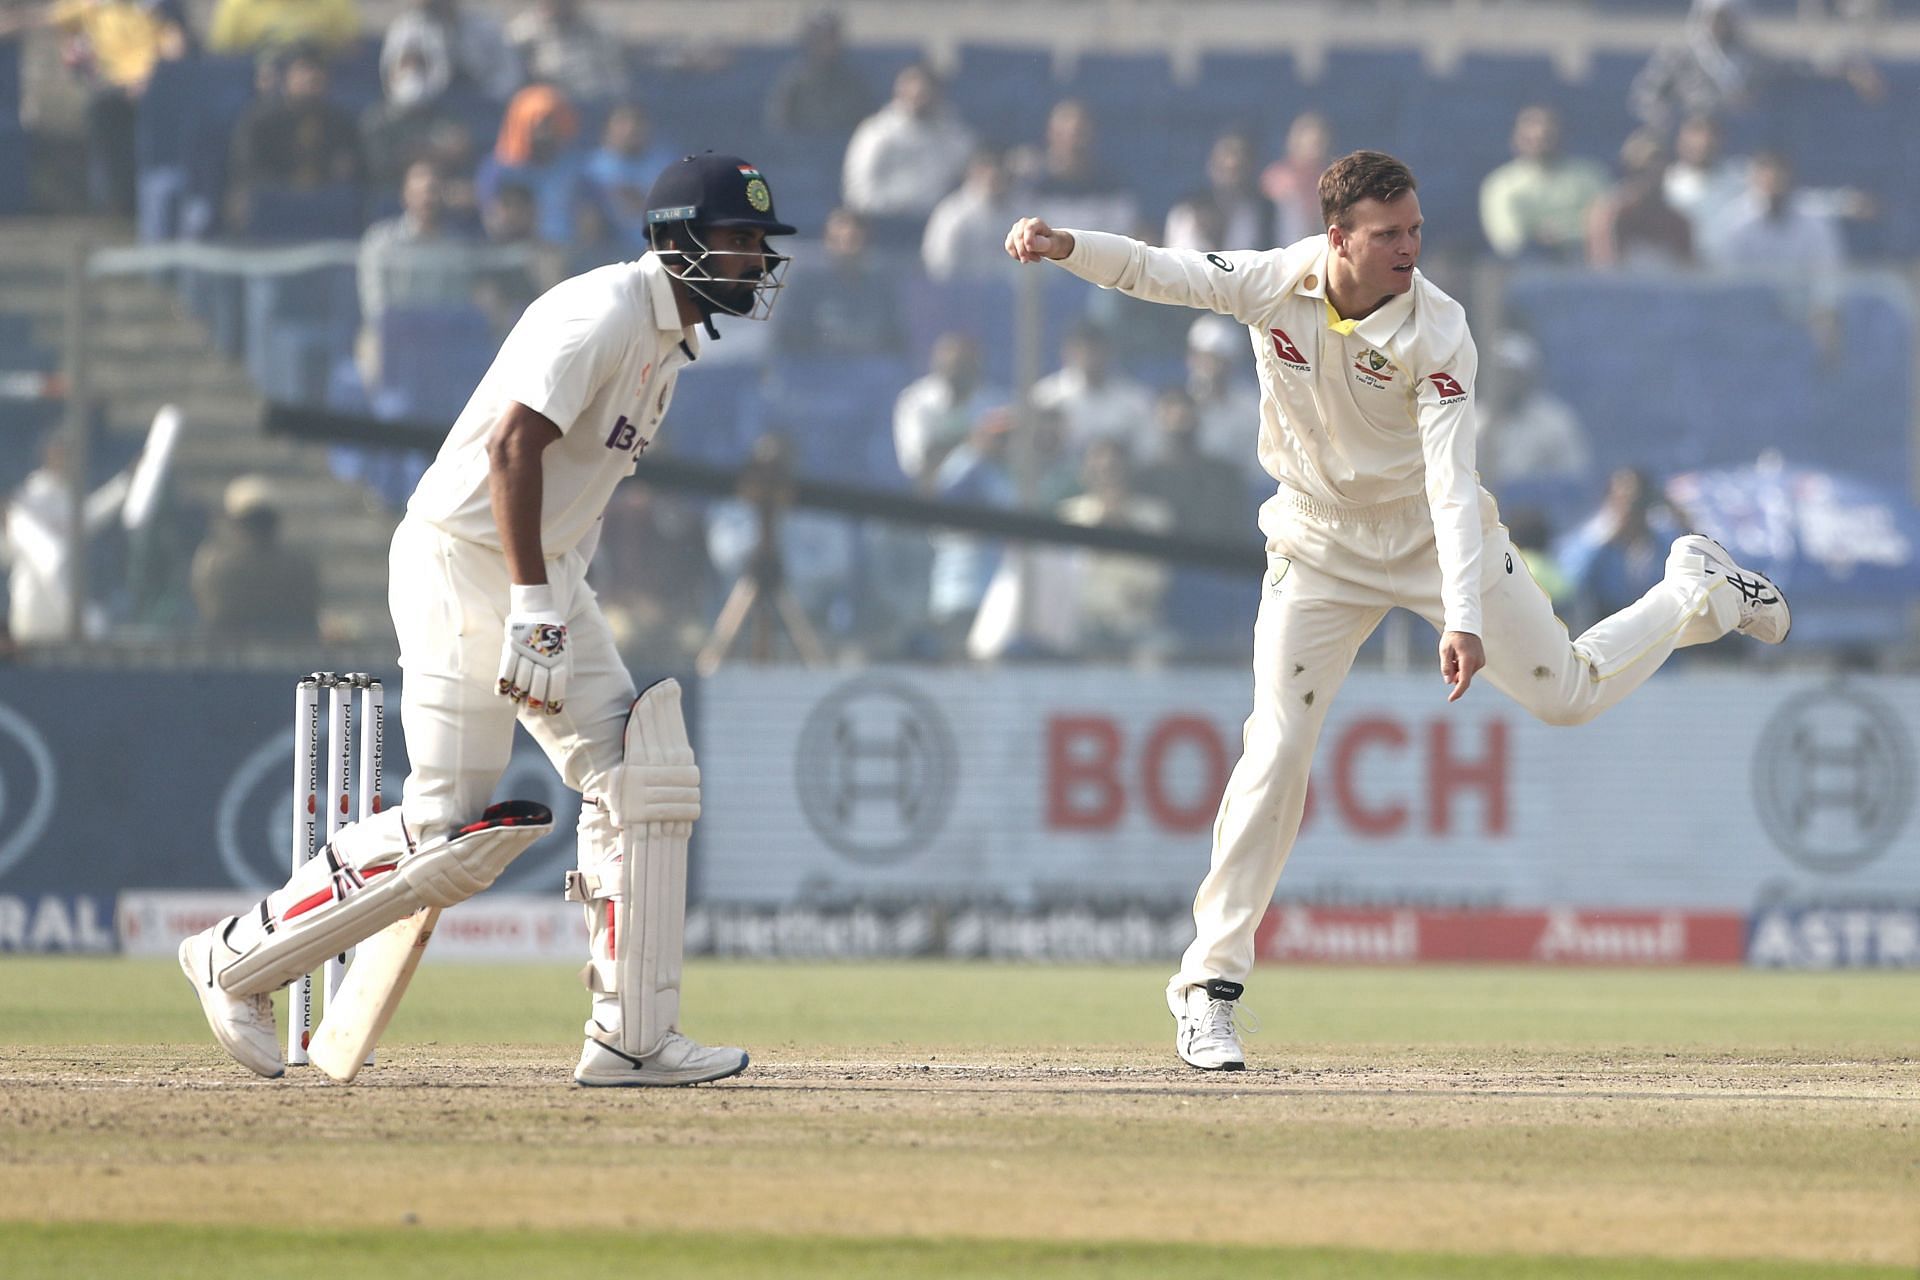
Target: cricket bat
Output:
[{"x": 376, "y": 981}]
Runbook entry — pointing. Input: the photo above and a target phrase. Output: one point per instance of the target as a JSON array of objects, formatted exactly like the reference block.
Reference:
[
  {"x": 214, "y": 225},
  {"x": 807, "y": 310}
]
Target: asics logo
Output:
[{"x": 1756, "y": 590}]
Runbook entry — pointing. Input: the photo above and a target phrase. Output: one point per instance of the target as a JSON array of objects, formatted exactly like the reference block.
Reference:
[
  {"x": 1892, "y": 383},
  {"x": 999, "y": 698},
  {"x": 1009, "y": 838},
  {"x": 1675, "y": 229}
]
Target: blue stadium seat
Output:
[
  {"x": 715, "y": 416},
  {"x": 1593, "y": 110},
  {"x": 1453, "y": 136},
  {"x": 880, "y": 63},
  {"x": 10, "y": 80},
  {"x": 1739, "y": 373},
  {"x": 1003, "y": 92},
  {"x": 1364, "y": 91},
  {"x": 14, "y": 144},
  {"x": 838, "y": 414},
  {"x": 298, "y": 328},
  {"x": 336, "y": 212},
  {"x": 181, "y": 141},
  {"x": 353, "y": 77},
  {"x": 431, "y": 358},
  {"x": 1248, "y": 90}
]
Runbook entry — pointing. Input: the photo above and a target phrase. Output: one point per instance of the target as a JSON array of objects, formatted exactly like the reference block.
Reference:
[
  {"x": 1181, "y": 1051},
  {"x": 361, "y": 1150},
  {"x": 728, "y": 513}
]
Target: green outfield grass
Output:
[
  {"x": 906, "y": 1120},
  {"x": 40, "y": 1253},
  {"x": 1005, "y": 1008}
]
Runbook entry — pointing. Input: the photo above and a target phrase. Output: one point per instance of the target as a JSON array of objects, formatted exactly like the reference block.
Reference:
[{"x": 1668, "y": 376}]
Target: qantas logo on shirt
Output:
[
  {"x": 1448, "y": 386},
  {"x": 1288, "y": 353},
  {"x": 626, "y": 438}
]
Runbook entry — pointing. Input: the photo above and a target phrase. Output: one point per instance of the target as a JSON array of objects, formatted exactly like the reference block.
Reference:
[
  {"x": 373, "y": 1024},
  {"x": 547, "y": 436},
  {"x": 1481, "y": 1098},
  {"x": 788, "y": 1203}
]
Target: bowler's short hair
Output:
[{"x": 1363, "y": 175}]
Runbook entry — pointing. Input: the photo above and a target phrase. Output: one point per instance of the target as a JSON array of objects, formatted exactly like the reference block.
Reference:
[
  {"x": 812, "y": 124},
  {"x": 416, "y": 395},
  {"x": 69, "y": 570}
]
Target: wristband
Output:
[{"x": 535, "y": 598}]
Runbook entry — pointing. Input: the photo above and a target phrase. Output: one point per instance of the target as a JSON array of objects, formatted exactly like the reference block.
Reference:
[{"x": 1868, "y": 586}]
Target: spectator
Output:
[
  {"x": 843, "y": 305},
  {"x": 1071, "y": 188},
  {"x": 907, "y": 155},
  {"x": 1774, "y": 230},
  {"x": 434, "y": 46},
  {"x": 296, "y": 140},
  {"x": 513, "y": 275},
  {"x": 116, "y": 46},
  {"x": 395, "y": 131},
  {"x": 1633, "y": 225},
  {"x": 1778, "y": 233},
  {"x": 654, "y": 573},
  {"x": 1620, "y": 552},
  {"x": 451, "y": 149},
  {"x": 250, "y": 585},
  {"x": 1230, "y": 213},
  {"x": 536, "y": 149},
  {"x": 1119, "y": 596},
  {"x": 1140, "y": 334},
  {"x": 1293, "y": 181},
  {"x": 1205, "y": 496},
  {"x": 936, "y": 413},
  {"x": 1718, "y": 70},
  {"x": 967, "y": 232},
  {"x": 1093, "y": 402},
  {"x": 1226, "y": 406},
  {"x": 1535, "y": 205},
  {"x": 416, "y": 259},
  {"x": 596, "y": 240},
  {"x": 39, "y": 547},
  {"x": 821, "y": 91},
  {"x": 974, "y": 471},
  {"x": 1704, "y": 186},
  {"x": 1526, "y": 432},
  {"x": 622, "y": 169},
  {"x": 557, "y": 45},
  {"x": 254, "y": 26}
]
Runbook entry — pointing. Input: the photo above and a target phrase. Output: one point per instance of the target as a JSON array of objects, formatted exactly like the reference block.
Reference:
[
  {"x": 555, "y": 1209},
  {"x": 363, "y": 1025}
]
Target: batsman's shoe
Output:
[
  {"x": 1763, "y": 607},
  {"x": 1204, "y": 1035},
  {"x": 677, "y": 1061},
  {"x": 242, "y": 1024}
]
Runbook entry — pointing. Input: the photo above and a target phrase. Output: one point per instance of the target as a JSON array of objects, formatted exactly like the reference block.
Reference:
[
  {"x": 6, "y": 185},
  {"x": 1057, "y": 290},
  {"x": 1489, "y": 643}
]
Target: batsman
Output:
[{"x": 497, "y": 624}]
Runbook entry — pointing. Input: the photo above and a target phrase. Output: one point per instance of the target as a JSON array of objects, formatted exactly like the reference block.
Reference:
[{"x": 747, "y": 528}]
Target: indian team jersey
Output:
[
  {"x": 598, "y": 356},
  {"x": 1352, "y": 413}
]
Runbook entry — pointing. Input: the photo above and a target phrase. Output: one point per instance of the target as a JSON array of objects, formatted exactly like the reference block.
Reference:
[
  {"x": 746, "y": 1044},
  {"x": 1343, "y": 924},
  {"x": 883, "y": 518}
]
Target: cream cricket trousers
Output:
[
  {"x": 449, "y": 603},
  {"x": 1332, "y": 574}
]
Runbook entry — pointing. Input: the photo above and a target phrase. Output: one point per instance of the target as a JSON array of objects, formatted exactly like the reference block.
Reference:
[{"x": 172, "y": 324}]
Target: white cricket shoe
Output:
[
  {"x": 678, "y": 1061},
  {"x": 1763, "y": 607},
  {"x": 242, "y": 1024},
  {"x": 1204, "y": 1035}
]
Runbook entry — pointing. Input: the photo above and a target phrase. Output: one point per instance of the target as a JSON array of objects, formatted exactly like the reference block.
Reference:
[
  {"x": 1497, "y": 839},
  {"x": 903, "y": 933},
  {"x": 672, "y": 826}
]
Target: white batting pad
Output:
[
  {"x": 654, "y": 803},
  {"x": 369, "y": 876}
]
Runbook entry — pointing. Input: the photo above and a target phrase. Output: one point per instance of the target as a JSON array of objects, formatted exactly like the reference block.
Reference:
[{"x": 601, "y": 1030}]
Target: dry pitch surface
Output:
[{"x": 953, "y": 1120}]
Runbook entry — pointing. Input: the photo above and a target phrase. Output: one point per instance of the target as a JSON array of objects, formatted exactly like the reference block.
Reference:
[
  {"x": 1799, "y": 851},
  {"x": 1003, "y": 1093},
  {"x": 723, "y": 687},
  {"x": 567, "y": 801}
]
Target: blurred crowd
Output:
[{"x": 1147, "y": 421}]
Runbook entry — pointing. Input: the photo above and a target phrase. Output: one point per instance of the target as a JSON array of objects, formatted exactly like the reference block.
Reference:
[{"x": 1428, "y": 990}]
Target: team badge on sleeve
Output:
[{"x": 1451, "y": 392}]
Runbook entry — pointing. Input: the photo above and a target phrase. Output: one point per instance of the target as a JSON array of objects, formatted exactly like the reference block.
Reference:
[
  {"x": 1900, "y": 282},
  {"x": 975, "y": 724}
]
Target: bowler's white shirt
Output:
[
  {"x": 598, "y": 356},
  {"x": 1350, "y": 419}
]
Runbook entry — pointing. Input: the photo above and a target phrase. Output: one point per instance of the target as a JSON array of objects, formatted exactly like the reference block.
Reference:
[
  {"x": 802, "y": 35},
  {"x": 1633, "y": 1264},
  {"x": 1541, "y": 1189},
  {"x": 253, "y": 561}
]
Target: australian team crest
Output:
[
  {"x": 1375, "y": 370},
  {"x": 757, "y": 194}
]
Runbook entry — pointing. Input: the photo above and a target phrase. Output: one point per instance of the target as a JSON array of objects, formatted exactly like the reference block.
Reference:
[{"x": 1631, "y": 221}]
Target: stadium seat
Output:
[
  {"x": 14, "y": 145},
  {"x": 298, "y": 326},
  {"x": 1003, "y": 92},
  {"x": 10, "y": 80},
  {"x": 182, "y": 138},
  {"x": 334, "y": 212},
  {"x": 838, "y": 413},
  {"x": 1364, "y": 92},
  {"x": 431, "y": 358}
]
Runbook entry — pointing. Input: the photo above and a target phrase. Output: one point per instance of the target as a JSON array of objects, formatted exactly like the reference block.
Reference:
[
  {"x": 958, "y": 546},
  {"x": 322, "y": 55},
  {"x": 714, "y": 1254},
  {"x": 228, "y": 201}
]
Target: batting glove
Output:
[{"x": 535, "y": 661}]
